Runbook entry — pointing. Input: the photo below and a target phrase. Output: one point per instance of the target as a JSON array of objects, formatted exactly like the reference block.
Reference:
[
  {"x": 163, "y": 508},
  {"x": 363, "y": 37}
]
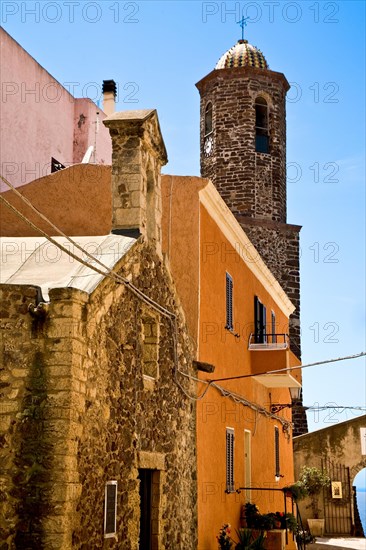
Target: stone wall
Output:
[
  {"x": 252, "y": 184},
  {"x": 334, "y": 448},
  {"x": 24, "y": 446},
  {"x": 78, "y": 412}
]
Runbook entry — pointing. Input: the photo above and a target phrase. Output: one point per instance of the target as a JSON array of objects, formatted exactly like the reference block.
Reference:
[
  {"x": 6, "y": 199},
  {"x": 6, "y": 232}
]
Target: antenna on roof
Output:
[
  {"x": 88, "y": 154},
  {"x": 95, "y": 136}
]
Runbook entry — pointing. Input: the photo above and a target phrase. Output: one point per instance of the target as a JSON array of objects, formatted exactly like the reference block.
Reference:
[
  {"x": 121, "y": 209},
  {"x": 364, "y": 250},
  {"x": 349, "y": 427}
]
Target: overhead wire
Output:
[
  {"x": 108, "y": 273},
  {"x": 288, "y": 369},
  {"x": 157, "y": 307}
]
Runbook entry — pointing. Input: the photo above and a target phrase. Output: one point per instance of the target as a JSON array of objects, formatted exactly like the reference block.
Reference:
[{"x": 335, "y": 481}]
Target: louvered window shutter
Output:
[
  {"x": 229, "y": 302},
  {"x": 277, "y": 452},
  {"x": 230, "y": 460}
]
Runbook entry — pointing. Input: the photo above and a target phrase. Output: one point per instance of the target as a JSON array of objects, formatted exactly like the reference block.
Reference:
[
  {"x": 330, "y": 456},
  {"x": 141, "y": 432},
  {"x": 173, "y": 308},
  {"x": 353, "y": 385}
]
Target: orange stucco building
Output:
[{"x": 205, "y": 245}]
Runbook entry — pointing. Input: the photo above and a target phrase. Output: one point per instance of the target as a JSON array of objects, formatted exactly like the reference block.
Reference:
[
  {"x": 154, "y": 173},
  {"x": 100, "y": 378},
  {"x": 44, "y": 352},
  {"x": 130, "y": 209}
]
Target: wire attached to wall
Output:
[{"x": 107, "y": 273}]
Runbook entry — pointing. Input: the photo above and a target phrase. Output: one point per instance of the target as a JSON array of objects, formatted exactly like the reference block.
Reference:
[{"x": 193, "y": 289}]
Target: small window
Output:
[
  {"x": 277, "y": 453},
  {"x": 208, "y": 119},
  {"x": 110, "y": 509},
  {"x": 230, "y": 460},
  {"x": 260, "y": 314},
  {"x": 261, "y": 126},
  {"x": 229, "y": 302}
]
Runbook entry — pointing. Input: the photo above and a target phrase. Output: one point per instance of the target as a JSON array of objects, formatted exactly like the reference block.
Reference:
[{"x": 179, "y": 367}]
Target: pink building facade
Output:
[{"x": 43, "y": 126}]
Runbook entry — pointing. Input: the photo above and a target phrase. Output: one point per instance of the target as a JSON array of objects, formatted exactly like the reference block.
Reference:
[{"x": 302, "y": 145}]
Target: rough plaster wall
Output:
[
  {"x": 339, "y": 443},
  {"x": 24, "y": 445},
  {"x": 41, "y": 421}
]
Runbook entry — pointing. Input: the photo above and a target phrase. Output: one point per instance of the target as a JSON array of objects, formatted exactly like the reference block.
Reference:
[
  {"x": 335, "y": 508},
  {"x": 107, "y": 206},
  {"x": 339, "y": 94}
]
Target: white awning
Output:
[{"x": 37, "y": 261}]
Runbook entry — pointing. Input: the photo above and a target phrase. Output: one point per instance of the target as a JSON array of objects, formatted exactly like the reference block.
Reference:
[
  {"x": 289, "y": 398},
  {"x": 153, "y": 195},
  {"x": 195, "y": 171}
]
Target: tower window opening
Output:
[
  {"x": 208, "y": 119},
  {"x": 261, "y": 126}
]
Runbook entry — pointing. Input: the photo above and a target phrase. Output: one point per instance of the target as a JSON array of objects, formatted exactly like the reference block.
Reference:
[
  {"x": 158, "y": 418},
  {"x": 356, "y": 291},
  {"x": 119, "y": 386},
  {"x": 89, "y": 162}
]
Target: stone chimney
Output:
[
  {"x": 138, "y": 155},
  {"x": 109, "y": 96}
]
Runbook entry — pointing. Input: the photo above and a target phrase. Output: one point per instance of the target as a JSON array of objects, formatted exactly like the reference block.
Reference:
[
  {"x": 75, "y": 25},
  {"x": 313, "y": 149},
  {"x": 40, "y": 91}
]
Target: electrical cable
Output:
[
  {"x": 109, "y": 273},
  {"x": 170, "y": 315},
  {"x": 288, "y": 369}
]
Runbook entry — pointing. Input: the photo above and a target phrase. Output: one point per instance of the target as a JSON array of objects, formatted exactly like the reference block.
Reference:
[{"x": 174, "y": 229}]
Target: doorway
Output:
[{"x": 145, "y": 477}]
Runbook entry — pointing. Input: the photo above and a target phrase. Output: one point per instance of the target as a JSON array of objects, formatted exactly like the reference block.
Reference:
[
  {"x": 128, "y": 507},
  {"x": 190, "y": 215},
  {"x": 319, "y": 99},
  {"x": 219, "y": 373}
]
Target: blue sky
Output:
[{"x": 157, "y": 51}]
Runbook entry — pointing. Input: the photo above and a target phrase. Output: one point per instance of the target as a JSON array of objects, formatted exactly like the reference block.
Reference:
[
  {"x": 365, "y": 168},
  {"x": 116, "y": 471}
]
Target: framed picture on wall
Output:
[{"x": 336, "y": 489}]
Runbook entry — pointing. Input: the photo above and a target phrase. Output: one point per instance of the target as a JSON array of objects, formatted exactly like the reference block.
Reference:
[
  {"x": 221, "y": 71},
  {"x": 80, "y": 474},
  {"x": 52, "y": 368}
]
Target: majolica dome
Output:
[{"x": 242, "y": 54}]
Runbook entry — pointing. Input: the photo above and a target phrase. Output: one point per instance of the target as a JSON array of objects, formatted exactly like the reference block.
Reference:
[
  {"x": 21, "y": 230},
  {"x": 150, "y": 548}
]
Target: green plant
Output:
[
  {"x": 313, "y": 480},
  {"x": 248, "y": 541},
  {"x": 296, "y": 490},
  {"x": 290, "y": 522},
  {"x": 252, "y": 515},
  {"x": 265, "y": 521}
]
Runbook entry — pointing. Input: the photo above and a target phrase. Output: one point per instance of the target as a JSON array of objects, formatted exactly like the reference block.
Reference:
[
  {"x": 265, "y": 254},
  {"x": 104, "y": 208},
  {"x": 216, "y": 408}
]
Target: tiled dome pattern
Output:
[{"x": 242, "y": 54}]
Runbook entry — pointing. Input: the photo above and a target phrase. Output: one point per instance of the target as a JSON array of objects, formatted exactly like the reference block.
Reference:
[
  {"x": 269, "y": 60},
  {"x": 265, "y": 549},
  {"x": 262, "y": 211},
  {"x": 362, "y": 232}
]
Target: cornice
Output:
[{"x": 231, "y": 229}]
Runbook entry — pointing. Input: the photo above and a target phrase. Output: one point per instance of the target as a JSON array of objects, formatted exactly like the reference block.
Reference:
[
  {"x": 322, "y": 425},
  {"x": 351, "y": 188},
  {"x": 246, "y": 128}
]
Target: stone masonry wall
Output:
[
  {"x": 24, "y": 446},
  {"x": 129, "y": 419},
  {"x": 252, "y": 184},
  {"x": 77, "y": 412},
  {"x": 40, "y": 415}
]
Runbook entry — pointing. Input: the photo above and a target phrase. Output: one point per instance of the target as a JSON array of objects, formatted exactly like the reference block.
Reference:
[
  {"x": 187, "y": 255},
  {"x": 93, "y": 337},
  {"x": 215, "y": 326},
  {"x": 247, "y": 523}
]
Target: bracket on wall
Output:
[{"x": 277, "y": 407}]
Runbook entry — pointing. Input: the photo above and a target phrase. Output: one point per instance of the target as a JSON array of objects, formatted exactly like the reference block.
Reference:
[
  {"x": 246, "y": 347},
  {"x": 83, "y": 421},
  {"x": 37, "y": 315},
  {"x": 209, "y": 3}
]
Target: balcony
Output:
[
  {"x": 272, "y": 354},
  {"x": 267, "y": 342}
]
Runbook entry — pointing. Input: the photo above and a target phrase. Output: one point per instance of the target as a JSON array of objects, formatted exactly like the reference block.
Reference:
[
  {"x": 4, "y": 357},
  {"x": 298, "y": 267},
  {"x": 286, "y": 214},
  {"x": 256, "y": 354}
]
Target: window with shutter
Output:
[
  {"x": 110, "y": 509},
  {"x": 260, "y": 314},
  {"x": 230, "y": 460},
  {"x": 277, "y": 453},
  {"x": 229, "y": 302}
]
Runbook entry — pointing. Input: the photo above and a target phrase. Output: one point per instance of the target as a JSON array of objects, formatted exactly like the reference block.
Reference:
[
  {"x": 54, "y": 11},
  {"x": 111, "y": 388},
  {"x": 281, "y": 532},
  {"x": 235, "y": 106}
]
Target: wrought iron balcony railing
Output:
[{"x": 265, "y": 342}]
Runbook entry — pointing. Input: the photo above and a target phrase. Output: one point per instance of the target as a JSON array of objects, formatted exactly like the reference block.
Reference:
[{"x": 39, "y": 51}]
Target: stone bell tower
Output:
[
  {"x": 243, "y": 133},
  {"x": 243, "y": 152}
]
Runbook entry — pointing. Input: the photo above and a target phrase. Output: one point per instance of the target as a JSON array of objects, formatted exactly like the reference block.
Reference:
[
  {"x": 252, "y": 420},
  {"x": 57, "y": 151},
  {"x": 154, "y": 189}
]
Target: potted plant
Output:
[
  {"x": 313, "y": 480},
  {"x": 250, "y": 515},
  {"x": 247, "y": 539},
  {"x": 295, "y": 491}
]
